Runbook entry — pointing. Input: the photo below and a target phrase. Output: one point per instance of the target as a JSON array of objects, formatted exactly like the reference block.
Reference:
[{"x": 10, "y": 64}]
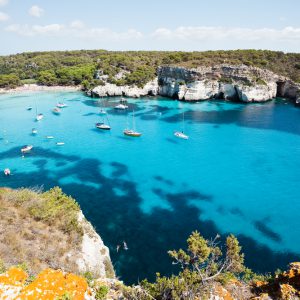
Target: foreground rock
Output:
[{"x": 284, "y": 286}]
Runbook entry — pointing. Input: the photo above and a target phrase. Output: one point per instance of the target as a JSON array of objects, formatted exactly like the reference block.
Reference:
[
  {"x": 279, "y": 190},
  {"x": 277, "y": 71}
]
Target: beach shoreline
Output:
[{"x": 39, "y": 88}]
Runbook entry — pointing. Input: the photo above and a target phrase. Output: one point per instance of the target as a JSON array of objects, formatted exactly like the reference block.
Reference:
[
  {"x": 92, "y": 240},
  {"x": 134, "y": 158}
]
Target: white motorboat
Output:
[
  {"x": 7, "y": 172},
  {"x": 56, "y": 111},
  {"x": 61, "y": 105},
  {"x": 39, "y": 117},
  {"x": 60, "y": 143},
  {"x": 34, "y": 131},
  {"x": 181, "y": 135},
  {"x": 26, "y": 148},
  {"x": 121, "y": 106},
  {"x": 49, "y": 137}
]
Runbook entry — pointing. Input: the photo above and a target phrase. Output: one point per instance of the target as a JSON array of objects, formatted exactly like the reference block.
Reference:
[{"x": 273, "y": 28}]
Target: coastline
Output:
[{"x": 39, "y": 88}]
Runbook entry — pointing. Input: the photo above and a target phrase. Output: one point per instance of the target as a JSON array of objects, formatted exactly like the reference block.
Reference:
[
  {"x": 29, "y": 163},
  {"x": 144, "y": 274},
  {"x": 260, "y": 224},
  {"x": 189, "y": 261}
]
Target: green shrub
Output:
[{"x": 101, "y": 292}]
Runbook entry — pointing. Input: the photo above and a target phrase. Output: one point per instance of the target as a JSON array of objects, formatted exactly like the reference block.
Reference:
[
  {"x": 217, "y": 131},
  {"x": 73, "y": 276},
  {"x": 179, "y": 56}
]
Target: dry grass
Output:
[{"x": 40, "y": 229}]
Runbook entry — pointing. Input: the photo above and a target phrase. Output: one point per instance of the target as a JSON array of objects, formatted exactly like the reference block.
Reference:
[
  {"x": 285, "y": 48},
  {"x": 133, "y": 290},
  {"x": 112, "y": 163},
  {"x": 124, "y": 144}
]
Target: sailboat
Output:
[
  {"x": 132, "y": 132},
  {"x": 38, "y": 116},
  {"x": 181, "y": 134},
  {"x": 103, "y": 126}
]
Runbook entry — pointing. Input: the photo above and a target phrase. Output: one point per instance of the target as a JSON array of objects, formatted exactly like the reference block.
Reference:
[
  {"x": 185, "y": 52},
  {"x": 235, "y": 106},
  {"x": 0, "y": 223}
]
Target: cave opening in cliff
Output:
[{"x": 280, "y": 88}]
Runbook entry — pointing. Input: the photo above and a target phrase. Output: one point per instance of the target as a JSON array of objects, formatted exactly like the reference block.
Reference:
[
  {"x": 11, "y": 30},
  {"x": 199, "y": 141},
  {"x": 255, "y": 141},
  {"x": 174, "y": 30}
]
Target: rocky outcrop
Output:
[
  {"x": 94, "y": 255},
  {"x": 236, "y": 83},
  {"x": 151, "y": 88},
  {"x": 242, "y": 83},
  {"x": 284, "y": 286}
]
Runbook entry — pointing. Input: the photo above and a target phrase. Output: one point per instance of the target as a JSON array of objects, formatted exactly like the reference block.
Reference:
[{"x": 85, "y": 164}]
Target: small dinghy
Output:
[
  {"x": 34, "y": 131},
  {"x": 29, "y": 108},
  {"x": 49, "y": 137},
  {"x": 56, "y": 111},
  {"x": 102, "y": 126},
  {"x": 7, "y": 172},
  {"x": 181, "y": 135},
  {"x": 60, "y": 143},
  {"x": 26, "y": 148},
  {"x": 61, "y": 105},
  {"x": 39, "y": 117}
]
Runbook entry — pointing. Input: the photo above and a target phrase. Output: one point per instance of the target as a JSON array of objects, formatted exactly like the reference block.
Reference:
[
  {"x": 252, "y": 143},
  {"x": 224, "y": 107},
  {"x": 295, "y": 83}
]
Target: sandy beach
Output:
[{"x": 37, "y": 88}]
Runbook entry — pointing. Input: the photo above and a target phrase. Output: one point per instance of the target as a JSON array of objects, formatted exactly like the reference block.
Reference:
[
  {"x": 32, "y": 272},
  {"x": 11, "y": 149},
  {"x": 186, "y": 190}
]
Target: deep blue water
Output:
[{"x": 238, "y": 173}]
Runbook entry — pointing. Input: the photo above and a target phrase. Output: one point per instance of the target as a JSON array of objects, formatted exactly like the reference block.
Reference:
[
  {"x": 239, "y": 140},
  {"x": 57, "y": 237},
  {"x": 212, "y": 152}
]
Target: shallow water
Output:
[{"x": 238, "y": 173}]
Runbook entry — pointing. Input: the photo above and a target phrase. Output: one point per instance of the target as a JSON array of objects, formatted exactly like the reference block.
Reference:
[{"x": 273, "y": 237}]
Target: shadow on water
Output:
[
  {"x": 118, "y": 217},
  {"x": 261, "y": 116}
]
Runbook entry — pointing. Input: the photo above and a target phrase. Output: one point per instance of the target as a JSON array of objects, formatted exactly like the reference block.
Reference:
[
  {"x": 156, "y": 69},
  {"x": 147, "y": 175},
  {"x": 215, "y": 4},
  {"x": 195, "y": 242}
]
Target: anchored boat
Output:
[
  {"x": 61, "y": 105},
  {"x": 132, "y": 132},
  {"x": 181, "y": 134},
  {"x": 26, "y": 148},
  {"x": 102, "y": 126},
  {"x": 7, "y": 172},
  {"x": 39, "y": 117},
  {"x": 122, "y": 105},
  {"x": 56, "y": 111}
]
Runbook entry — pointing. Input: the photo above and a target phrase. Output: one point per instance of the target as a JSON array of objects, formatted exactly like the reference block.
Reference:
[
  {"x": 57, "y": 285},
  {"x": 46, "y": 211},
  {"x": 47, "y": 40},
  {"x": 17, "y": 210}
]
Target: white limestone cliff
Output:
[{"x": 94, "y": 255}]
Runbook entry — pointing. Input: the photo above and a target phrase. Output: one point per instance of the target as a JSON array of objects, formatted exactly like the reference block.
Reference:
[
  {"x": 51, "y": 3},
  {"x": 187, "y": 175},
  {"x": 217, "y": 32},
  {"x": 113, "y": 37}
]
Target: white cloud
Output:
[
  {"x": 3, "y": 2},
  {"x": 35, "y": 11},
  {"x": 76, "y": 29},
  {"x": 3, "y": 17},
  {"x": 221, "y": 33},
  {"x": 181, "y": 38},
  {"x": 26, "y": 30},
  {"x": 77, "y": 24}
]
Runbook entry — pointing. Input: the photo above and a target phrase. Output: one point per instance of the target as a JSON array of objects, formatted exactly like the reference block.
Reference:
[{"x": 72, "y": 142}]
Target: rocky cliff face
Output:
[
  {"x": 237, "y": 83},
  {"x": 151, "y": 88},
  {"x": 94, "y": 255},
  {"x": 241, "y": 83}
]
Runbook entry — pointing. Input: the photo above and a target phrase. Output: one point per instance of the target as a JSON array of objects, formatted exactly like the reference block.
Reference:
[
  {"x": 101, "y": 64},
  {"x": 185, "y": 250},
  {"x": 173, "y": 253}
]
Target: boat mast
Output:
[
  {"x": 133, "y": 121},
  {"x": 36, "y": 111},
  {"x": 183, "y": 121}
]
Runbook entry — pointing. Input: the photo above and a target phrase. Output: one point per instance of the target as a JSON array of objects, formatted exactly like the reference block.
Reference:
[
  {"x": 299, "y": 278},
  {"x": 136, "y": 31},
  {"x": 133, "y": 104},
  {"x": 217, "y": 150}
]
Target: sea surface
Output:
[{"x": 238, "y": 173}]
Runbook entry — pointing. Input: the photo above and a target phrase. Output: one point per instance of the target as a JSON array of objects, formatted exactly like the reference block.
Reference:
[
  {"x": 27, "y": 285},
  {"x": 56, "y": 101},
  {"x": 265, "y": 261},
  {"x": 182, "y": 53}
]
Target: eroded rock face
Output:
[
  {"x": 242, "y": 83},
  {"x": 151, "y": 88},
  {"x": 236, "y": 83}
]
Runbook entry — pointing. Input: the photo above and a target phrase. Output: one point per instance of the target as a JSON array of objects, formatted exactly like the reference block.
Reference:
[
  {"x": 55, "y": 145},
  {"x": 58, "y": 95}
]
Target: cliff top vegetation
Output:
[
  {"x": 39, "y": 228},
  {"x": 86, "y": 67}
]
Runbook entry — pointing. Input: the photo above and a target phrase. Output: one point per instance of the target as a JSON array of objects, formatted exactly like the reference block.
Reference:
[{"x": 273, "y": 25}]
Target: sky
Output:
[{"x": 185, "y": 25}]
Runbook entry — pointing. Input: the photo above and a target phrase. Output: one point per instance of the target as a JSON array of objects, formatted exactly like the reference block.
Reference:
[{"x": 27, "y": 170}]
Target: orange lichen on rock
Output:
[
  {"x": 14, "y": 276},
  {"x": 222, "y": 293},
  {"x": 49, "y": 285}
]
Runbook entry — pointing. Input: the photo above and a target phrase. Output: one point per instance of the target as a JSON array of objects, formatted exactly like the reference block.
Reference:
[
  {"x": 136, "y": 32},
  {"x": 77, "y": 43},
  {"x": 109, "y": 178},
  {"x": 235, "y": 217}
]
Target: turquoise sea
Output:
[{"x": 238, "y": 173}]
